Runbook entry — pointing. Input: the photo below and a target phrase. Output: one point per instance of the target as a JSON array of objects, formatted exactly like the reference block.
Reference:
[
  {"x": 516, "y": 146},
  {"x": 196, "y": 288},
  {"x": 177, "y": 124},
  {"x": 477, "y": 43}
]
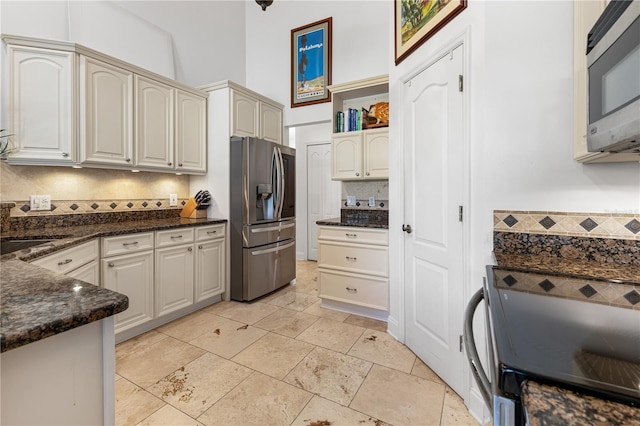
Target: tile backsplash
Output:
[
  {"x": 69, "y": 207},
  {"x": 600, "y": 225}
]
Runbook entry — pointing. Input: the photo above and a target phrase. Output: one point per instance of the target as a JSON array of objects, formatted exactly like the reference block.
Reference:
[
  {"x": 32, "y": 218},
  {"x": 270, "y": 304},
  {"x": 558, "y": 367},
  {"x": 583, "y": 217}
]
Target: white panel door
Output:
[
  {"x": 323, "y": 194},
  {"x": 434, "y": 190}
]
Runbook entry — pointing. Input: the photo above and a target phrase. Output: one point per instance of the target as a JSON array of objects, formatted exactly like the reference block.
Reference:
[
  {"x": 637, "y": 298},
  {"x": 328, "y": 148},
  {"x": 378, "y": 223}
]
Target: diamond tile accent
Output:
[
  {"x": 25, "y": 208},
  {"x": 547, "y": 222},
  {"x": 633, "y": 297},
  {"x": 145, "y": 204},
  {"x": 95, "y": 206},
  {"x": 589, "y": 224},
  {"x": 129, "y": 205},
  {"x": 546, "y": 285},
  {"x": 509, "y": 280},
  {"x": 53, "y": 207},
  {"x": 510, "y": 221},
  {"x": 158, "y": 204},
  {"x": 633, "y": 226},
  {"x": 74, "y": 207},
  {"x": 588, "y": 291},
  {"x": 113, "y": 205},
  {"x": 184, "y": 202}
]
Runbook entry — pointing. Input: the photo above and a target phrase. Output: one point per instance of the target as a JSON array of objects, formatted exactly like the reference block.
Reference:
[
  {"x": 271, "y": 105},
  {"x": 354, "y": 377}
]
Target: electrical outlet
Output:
[
  {"x": 351, "y": 200},
  {"x": 40, "y": 202},
  {"x": 173, "y": 200},
  {"x": 372, "y": 201}
]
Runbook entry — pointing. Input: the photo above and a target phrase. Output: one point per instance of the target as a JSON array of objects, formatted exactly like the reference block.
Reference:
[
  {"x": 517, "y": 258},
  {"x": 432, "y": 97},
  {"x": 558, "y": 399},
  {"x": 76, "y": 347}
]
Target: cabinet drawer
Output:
[
  {"x": 174, "y": 237},
  {"x": 71, "y": 258},
  {"x": 370, "y": 292},
  {"x": 204, "y": 233},
  {"x": 354, "y": 235},
  {"x": 129, "y": 243},
  {"x": 357, "y": 258}
]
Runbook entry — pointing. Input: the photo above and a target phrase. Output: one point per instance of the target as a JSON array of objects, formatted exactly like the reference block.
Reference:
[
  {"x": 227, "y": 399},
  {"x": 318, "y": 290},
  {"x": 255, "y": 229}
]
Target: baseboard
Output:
[{"x": 354, "y": 309}]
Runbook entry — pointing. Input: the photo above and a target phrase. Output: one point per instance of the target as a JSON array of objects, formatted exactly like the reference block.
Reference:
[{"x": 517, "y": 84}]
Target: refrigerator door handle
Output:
[
  {"x": 279, "y": 184},
  {"x": 272, "y": 228},
  {"x": 271, "y": 250}
]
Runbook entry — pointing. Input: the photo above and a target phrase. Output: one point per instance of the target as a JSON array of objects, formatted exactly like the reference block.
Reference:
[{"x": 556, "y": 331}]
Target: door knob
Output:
[{"x": 407, "y": 228}]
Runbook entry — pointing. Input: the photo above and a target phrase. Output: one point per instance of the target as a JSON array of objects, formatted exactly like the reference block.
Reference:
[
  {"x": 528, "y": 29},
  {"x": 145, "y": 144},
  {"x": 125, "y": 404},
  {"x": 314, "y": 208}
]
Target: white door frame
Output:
[{"x": 397, "y": 319}]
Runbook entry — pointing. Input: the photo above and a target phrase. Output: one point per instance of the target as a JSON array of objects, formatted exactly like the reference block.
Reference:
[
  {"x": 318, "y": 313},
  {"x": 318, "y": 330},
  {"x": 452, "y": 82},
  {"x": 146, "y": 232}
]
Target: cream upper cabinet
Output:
[
  {"x": 191, "y": 133},
  {"x": 73, "y": 105},
  {"x": 270, "y": 123},
  {"x": 586, "y": 13},
  {"x": 252, "y": 115},
  {"x": 346, "y": 156},
  {"x": 106, "y": 113},
  {"x": 41, "y": 105},
  {"x": 359, "y": 154},
  {"x": 154, "y": 116}
]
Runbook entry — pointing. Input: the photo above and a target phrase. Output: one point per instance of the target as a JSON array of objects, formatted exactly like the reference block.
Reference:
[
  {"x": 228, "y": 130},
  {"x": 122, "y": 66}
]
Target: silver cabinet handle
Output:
[
  {"x": 367, "y": 173},
  {"x": 66, "y": 262},
  {"x": 190, "y": 249},
  {"x": 200, "y": 247},
  {"x": 169, "y": 163},
  {"x": 128, "y": 160},
  {"x": 352, "y": 290},
  {"x": 179, "y": 164},
  {"x": 175, "y": 237},
  {"x": 65, "y": 154},
  {"x": 211, "y": 232},
  {"x": 351, "y": 235},
  {"x": 357, "y": 174},
  {"x": 111, "y": 265},
  {"x": 351, "y": 259},
  {"x": 130, "y": 244}
]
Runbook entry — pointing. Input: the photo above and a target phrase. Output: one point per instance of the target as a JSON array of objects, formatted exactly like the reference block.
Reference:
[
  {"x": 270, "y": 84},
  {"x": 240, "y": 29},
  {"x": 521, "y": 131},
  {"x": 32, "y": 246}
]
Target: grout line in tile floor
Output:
[{"x": 272, "y": 363}]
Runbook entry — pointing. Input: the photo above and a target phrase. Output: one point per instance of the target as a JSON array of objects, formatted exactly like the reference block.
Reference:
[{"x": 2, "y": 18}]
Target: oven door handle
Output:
[{"x": 472, "y": 352}]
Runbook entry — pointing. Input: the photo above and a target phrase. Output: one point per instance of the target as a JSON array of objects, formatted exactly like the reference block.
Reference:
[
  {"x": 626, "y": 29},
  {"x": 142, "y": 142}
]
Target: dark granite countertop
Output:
[
  {"x": 36, "y": 303},
  {"x": 579, "y": 268},
  {"x": 363, "y": 223},
  {"x": 549, "y": 405}
]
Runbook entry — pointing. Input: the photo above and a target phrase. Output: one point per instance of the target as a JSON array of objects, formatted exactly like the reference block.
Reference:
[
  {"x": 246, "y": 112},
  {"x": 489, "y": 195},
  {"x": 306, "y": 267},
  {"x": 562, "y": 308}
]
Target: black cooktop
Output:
[{"x": 584, "y": 334}]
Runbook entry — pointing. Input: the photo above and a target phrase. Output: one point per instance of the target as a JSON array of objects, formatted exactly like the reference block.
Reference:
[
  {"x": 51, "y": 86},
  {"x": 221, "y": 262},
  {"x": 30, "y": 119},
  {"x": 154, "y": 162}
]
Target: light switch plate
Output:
[
  {"x": 40, "y": 202},
  {"x": 173, "y": 200}
]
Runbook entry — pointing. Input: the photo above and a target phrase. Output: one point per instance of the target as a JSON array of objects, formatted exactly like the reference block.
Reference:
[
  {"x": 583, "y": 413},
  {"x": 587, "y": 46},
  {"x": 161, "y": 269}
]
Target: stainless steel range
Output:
[{"x": 572, "y": 332}]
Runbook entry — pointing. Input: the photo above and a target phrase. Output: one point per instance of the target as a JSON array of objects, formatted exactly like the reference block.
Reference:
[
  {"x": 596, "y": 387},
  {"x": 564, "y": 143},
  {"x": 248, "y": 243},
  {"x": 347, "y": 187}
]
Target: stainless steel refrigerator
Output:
[{"x": 262, "y": 217}]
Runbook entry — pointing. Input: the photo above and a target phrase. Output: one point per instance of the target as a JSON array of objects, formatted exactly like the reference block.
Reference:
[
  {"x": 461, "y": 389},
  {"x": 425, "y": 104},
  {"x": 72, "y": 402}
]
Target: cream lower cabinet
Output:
[
  {"x": 174, "y": 270},
  {"x": 127, "y": 267},
  {"x": 353, "y": 270},
  {"x": 80, "y": 262},
  {"x": 360, "y": 155},
  {"x": 210, "y": 260}
]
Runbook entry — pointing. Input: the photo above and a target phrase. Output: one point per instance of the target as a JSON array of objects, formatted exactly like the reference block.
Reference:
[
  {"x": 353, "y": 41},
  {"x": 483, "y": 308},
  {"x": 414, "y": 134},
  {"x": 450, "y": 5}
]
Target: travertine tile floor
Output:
[{"x": 282, "y": 360}]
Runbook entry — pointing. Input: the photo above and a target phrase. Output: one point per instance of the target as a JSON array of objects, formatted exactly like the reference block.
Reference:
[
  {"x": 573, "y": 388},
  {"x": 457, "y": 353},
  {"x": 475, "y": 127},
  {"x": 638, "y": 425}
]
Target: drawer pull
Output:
[
  {"x": 130, "y": 244},
  {"x": 211, "y": 232},
  {"x": 66, "y": 262},
  {"x": 175, "y": 237},
  {"x": 111, "y": 265},
  {"x": 351, "y": 235},
  {"x": 351, "y": 290},
  {"x": 351, "y": 259},
  {"x": 190, "y": 249}
]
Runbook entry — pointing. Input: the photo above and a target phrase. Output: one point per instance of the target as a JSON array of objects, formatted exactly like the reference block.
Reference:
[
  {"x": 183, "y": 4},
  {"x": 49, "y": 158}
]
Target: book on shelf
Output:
[{"x": 350, "y": 120}]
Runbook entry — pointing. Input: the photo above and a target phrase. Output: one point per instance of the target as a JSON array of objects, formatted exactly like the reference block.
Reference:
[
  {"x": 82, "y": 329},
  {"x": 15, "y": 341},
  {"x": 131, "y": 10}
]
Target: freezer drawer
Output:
[
  {"x": 268, "y": 268},
  {"x": 267, "y": 233}
]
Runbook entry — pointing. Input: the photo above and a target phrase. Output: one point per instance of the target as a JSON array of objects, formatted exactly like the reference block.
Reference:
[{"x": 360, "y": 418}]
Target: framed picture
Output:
[
  {"x": 417, "y": 20},
  {"x": 311, "y": 63}
]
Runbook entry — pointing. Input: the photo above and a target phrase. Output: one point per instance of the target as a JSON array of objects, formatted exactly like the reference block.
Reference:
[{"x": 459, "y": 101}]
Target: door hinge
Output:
[
  {"x": 461, "y": 339},
  {"x": 459, "y": 213},
  {"x": 460, "y": 85}
]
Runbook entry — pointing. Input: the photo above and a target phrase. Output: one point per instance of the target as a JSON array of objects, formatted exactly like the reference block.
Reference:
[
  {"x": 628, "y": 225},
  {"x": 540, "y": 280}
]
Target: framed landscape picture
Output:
[
  {"x": 311, "y": 63},
  {"x": 417, "y": 20}
]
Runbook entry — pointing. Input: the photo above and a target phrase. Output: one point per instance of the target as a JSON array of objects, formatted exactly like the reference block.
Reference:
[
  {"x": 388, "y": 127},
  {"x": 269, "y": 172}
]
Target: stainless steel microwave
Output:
[{"x": 613, "y": 65}]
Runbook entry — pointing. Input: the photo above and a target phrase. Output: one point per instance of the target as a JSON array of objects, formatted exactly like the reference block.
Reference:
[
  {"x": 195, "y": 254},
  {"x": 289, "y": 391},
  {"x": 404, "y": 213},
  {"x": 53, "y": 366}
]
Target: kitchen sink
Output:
[{"x": 9, "y": 246}]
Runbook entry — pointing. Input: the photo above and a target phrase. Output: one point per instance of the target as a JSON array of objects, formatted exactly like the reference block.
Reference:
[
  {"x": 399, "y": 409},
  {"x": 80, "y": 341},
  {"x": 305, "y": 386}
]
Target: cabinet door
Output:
[
  {"x": 42, "y": 106},
  {"x": 346, "y": 155},
  {"x": 210, "y": 273},
  {"x": 89, "y": 273},
  {"x": 131, "y": 275},
  {"x": 174, "y": 278},
  {"x": 376, "y": 154},
  {"x": 270, "y": 123},
  {"x": 154, "y": 124},
  {"x": 244, "y": 115},
  {"x": 191, "y": 133},
  {"x": 106, "y": 98}
]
